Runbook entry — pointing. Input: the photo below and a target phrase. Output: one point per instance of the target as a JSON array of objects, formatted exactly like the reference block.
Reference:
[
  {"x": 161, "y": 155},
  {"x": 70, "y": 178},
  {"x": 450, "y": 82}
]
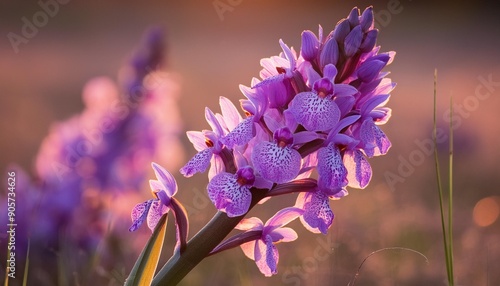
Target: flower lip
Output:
[{"x": 283, "y": 137}]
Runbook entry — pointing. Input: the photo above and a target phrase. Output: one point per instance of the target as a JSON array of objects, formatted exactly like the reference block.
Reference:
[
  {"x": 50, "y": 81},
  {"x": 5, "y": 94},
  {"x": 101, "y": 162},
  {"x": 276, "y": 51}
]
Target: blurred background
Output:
[{"x": 211, "y": 48}]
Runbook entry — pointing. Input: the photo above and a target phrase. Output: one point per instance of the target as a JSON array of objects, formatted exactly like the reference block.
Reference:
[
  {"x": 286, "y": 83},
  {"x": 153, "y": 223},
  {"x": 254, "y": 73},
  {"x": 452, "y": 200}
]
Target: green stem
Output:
[
  {"x": 199, "y": 247},
  {"x": 440, "y": 189},
  {"x": 450, "y": 197}
]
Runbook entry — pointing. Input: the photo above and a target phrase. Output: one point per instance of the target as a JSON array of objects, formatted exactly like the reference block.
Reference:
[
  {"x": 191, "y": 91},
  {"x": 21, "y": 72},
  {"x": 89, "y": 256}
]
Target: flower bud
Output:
[
  {"x": 341, "y": 30},
  {"x": 330, "y": 53},
  {"x": 353, "y": 41},
  {"x": 369, "y": 41},
  {"x": 366, "y": 19},
  {"x": 353, "y": 17},
  {"x": 310, "y": 45}
]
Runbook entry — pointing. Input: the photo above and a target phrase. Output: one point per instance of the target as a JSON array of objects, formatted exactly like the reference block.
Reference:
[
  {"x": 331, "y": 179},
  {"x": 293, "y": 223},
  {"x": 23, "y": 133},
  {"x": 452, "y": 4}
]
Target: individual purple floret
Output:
[
  {"x": 163, "y": 189},
  {"x": 231, "y": 192},
  {"x": 263, "y": 250},
  {"x": 277, "y": 161},
  {"x": 90, "y": 167}
]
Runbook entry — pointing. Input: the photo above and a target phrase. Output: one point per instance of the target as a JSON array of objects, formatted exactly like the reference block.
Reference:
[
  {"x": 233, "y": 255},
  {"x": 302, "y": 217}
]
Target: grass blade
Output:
[
  {"x": 450, "y": 198},
  {"x": 353, "y": 281},
  {"x": 145, "y": 266},
  {"x": 27, "y": 264},
  {"x": 447, "y": 234}
]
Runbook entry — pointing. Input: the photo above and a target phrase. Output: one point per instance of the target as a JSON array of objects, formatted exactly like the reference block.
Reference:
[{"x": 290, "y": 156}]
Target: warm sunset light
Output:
[{"x": 486, "y": 211}]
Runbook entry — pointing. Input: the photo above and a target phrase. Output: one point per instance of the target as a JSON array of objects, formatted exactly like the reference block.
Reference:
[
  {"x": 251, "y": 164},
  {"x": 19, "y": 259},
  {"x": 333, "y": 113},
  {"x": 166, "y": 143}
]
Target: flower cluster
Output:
[{"x": 316, "y": 110}]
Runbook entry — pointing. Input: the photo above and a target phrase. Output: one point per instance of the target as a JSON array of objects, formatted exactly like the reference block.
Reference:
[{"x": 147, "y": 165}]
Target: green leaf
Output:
[{"x": 145, "y": 266}]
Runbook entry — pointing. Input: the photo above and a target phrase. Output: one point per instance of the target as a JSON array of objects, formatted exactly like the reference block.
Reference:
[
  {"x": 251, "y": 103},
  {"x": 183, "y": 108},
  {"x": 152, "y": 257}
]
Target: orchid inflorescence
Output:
[{"x": 316, "y": 110}]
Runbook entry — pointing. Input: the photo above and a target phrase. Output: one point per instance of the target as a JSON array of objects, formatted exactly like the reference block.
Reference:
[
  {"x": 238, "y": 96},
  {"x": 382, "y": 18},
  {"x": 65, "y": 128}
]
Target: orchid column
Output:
[{"x": 318, "y": 110}]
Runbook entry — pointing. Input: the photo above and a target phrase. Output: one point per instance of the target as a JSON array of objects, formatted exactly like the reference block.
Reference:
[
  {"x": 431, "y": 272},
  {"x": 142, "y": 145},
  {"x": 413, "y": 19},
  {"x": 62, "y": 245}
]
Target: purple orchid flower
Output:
[
  {"x": 319, "y": 109},
  {"x": 277, "y": 161},
  {"x": 263, "y": 250},
  {"x": 230, "y": 193},
  {"x": 316, "y": 110},
  {"x": 208, "y": 145},
  {"x": 239, "y": 131},
  {"x": 317, "y": 216},
  {"x": 164, "y": 188}
]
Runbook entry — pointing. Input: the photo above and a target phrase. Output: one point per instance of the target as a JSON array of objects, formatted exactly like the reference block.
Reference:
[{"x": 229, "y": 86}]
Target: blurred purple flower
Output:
[{"x": 91, "y": 164}]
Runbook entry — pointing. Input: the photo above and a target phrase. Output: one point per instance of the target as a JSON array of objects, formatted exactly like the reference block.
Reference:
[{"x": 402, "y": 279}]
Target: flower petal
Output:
[
  {"x": 156, "y": 210},
  {"x": 359, "y": 170},
  {"x": 167, "y": 180},
  {"x": 155, "y": 186},
  {"x": 199, "y": 163},
  {"x": 213, "y": 122},
  {"x": 228, "y": 195},
  {"x": 139, "y": 214},
  {"x": 318, "y": 215},
  {"x": 281, "y": 218},
  {"x": 241, "y": 134},
  {"x": 284, "y": 234},
  {"x": 274, "y": 163},
  {"x": 313, "y": 112},
  {"x": 332, "y": 174},
  {"x": 375, "y": 141},
  {"x": 198, "y": 140},
  {"x": 216, "y": 166},
  {"x": 231, "y": 115},
  {"x": 252, "y": 223},
  {"x": 266, "y": 256},
  {"x": 249, "y": 249}
]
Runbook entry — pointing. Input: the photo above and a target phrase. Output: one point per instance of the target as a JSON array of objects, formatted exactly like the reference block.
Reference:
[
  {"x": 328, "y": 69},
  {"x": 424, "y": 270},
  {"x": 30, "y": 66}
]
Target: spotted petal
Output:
[
  {"x": 228, "y": 195},
  {"x": 199, "y": 163},
  {"x": 266, "y": 256},
  {"x": 274, "y": 163},
  {"x": 313, "y": 112},
  {"x": 139, "y": 214},
  {"x": 359, "y": 170},
  {"x": 241, "y": 134},
  {"x": 331, "y": 170},
  {"x": 318, "y": 215},
  {"x": 156, "y": 210},
  {"x": 375, "y": 141}
]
